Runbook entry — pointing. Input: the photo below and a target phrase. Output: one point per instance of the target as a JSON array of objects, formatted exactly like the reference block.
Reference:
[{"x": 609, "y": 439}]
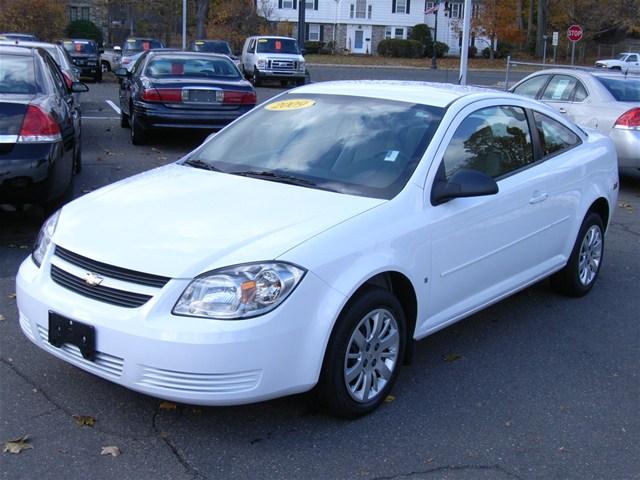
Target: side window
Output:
[
  {"x": 554, "y": 137},
  {"x": 632, "y": 58},
  {"x": 531, "y": 87},
  {"x": 581, "y": 93},
  {"x": 494, "y": 140},
  {"x": 560, "y": 89},
  {"x": 252, "y": 46},
  {"x": 57, "y": 77},
  {"x": 138, "y": 65}
]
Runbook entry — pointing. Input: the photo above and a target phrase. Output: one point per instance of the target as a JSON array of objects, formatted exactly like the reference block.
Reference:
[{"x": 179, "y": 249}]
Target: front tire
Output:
[
  {"x": 255, "y": 78},
  {"x": 581, "y": 271},
  {"x": 124, "y": 119},
  {"x": 364, "y": 354}
]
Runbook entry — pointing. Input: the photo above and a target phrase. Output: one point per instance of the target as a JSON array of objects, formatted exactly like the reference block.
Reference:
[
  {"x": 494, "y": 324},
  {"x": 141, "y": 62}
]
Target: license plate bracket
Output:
[
  {"x": 205, "y": 96},
  {"x": 64, "y": 330}
]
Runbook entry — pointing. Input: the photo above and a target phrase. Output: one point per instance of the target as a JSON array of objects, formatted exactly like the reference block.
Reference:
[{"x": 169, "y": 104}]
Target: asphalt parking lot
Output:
[{"x": 538, "y": 386}]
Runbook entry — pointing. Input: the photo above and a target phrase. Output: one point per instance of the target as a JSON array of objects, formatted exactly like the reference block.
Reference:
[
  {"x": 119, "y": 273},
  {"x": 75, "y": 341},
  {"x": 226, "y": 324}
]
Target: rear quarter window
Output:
[{"x": 554, "y": 137}]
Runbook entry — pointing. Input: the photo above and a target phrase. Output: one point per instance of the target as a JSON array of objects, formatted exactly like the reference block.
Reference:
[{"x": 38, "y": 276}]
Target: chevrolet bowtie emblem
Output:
[{"x": 92, "y": 279}]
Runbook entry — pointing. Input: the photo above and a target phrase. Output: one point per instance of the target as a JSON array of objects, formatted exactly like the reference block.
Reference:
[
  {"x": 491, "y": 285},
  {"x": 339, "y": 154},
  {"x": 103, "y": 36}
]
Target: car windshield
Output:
[
  {"x": 277, "y": 45},
  {"x": 212, "y": 47},
  {"x": 76, "y": 46},
  {"x": 621, "y": 56},
  {"x": 352, "y": 145},
  {"x": 179, "y": 66},
  {"x": 17, "y": 74},
  {"x": 134, "y": 46},
  {"x": 622, "y": 89}
]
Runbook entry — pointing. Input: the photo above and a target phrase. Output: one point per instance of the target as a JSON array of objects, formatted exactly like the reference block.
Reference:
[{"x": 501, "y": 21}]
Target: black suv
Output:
[{"x": 86, "y": 57}]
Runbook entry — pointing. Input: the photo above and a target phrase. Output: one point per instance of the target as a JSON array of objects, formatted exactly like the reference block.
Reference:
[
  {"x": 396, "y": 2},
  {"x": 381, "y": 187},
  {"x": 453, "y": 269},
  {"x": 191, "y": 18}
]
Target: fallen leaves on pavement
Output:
[
  {"x": 11, "y": 295},
  {"x": 17, "y": 445},
  {"x": 452, "y": 357},
  {"x": 389, "y": 398},
  {"x": 110, "y": 450},
  {"x": 168, "y": 406},
  {"x": 84, "y": 420}
]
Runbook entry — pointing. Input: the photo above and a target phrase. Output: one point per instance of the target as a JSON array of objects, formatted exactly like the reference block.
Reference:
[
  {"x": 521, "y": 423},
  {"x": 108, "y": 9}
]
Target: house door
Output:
[{"x": 360, "y": 38}]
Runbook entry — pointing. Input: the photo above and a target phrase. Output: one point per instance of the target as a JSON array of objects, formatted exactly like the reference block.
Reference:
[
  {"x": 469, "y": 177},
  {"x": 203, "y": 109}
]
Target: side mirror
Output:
[
  {"x": 303, "y": 51},
  {"x": 79, "y": 87},
  {"x": 122, "y": 73},
  {"x": 463, "y": 183}
]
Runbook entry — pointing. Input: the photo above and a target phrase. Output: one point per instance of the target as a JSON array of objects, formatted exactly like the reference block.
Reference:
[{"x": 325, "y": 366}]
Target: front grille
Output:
[
  {"x": 98, "y": 292},
  {"x": 111, "y": 271},
  {"x": 228, "y": 383},
  {"x": 284, "y": 65}
]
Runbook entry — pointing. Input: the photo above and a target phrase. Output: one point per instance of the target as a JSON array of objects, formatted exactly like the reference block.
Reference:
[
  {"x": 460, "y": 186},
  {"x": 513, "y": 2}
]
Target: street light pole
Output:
[
  {"x": 464, "y": 55},
  {"x": 184, "y": 24}
]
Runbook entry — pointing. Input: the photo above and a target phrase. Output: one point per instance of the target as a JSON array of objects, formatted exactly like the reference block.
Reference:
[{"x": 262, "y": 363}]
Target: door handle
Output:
[
  {"x": 538, "y": 197},
  {"x": 562, "y": 110}
]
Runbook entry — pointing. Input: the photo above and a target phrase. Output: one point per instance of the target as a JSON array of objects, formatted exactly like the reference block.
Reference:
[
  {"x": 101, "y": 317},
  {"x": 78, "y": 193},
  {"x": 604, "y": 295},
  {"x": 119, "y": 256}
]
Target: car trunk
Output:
[{"x": 201, "y": 94}]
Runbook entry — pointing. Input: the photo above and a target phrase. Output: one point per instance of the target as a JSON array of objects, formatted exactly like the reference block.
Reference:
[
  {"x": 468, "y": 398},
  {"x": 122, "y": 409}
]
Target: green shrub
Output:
[
  {"x": 84, "y": 29},
  {"x": 313, "y": 47},
  {"x": 396, "y": 47},
  {"x": 503, "y": 50},
  {"x": 441, "y": 49},
  {"x": 473, "y": 51},
  {"x": 422, "y": 33},
  {"x": 327, "y": 49}
]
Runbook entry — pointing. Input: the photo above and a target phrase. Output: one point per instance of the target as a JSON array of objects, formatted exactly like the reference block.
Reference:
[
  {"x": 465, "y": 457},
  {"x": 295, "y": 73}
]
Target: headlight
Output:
[
  {"x": 301, "y": 66},
  {"x": 238, "y": 292},
  {"x": 262, "y": 63},
  {"x": 43, "y": 241}
]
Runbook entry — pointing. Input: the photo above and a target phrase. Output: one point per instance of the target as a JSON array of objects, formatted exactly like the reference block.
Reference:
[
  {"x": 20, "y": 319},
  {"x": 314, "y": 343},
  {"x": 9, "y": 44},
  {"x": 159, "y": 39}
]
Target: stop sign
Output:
[{"x": 574, "y": 33}]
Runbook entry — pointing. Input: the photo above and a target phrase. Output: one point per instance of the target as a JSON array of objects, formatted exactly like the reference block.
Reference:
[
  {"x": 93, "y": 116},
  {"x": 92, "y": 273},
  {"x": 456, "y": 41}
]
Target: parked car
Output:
[
  {"x": 214, "y": 46},
  {"x": 111, "y": 59},
  {"x": 171, "y": 89},
  {"x": 40, "y": 147},
  {"x": 627, "y": 62},
  {"x": 135, "y": 45},
  {"x": 276, "y": 58},
  {"x": 314, "y": 239},
  {"x": 86, "y": 56},
  {"x": 60, "y": 56},
  {"x": 605, "y": 101},
  {"x": 27, "y": 37}
]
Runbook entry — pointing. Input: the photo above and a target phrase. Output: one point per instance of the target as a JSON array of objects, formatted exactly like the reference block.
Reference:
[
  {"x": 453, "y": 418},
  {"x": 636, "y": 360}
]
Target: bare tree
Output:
[{"x": 266, "y": 9}]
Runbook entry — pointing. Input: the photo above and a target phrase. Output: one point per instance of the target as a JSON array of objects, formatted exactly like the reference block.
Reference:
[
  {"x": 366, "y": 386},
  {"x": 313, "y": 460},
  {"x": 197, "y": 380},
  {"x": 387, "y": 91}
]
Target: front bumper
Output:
[
  {"x": 295, "y": 74},
  {"x": 157, "y": 115},
  {"x": 627, "y": 144},
  {"x": 183, "y": 359}
]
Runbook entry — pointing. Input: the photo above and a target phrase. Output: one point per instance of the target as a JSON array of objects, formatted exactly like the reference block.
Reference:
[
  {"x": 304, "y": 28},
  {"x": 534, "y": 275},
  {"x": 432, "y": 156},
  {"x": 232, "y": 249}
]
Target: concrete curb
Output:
[{"x": 399, "y": 67}]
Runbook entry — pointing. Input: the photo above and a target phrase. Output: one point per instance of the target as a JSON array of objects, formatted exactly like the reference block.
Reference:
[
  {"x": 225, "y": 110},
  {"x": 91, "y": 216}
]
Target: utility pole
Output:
[
  {"x": 434, "y": 61},
  {"x": 184, "y": 24},
  {"x": 464, "y": 55},
  {"x": 302, "y": 26}
]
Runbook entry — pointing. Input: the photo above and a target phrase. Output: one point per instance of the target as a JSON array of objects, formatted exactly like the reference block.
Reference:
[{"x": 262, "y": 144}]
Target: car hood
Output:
[
  {"x": 178, "y": 221},
  {"x": 608, "y": 61}
]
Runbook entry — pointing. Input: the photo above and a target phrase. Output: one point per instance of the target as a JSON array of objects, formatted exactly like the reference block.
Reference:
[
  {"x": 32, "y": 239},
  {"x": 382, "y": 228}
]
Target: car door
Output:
[
  {"x": 633, "y": 63},
  {"x": 558, "y": 93},
  {"x": 484, "y": 248},
  {"x": 128, "y": 84},
  {"x": 531, "y": 87},
  {"x": 66, "y": 109}
]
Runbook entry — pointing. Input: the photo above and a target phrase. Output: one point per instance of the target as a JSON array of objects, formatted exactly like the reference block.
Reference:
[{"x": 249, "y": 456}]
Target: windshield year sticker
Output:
[
  {"x": 391, "y": 156},
  {"x": 290, "y": 105}
]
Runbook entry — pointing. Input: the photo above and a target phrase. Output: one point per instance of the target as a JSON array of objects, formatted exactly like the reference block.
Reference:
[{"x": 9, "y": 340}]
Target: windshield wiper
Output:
[
  {"x": 276, "y": 177},
  {"x": 196, "y": 163}
]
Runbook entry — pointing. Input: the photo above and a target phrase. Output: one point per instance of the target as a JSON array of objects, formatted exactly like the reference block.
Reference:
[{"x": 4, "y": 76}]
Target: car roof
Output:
[
  {"x": 427, "y": 93},
  {"x": 273, "y": 36},
  {"x": 584, "y": 72},
  {"x": 28, "y": 43},
  {"x": 186, "y": 53},
  {"x": 78, "y": 40},
  {"x": 16, "y": 49}
]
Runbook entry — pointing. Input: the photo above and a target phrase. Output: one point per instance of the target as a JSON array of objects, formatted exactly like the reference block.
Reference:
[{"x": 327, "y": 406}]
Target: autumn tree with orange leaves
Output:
[{"x": 44, "y": 18}]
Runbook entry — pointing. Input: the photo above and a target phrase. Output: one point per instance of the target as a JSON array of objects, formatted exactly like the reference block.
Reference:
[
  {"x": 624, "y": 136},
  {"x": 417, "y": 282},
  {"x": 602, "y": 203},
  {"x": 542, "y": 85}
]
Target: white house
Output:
[{"x": 358, "y": 26}]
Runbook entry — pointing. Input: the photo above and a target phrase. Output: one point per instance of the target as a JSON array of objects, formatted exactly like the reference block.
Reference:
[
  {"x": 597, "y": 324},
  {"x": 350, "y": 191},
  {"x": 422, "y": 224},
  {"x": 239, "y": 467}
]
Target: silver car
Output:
[{"x": 606, "y": 101}]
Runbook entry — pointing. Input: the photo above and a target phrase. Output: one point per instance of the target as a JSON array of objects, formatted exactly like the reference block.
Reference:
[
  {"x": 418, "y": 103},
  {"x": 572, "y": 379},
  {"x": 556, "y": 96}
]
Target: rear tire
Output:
[
  {"x": 138, "y": 136},
  {"x": 581, "y": 271},
  {"x": 364, "y": 354}
]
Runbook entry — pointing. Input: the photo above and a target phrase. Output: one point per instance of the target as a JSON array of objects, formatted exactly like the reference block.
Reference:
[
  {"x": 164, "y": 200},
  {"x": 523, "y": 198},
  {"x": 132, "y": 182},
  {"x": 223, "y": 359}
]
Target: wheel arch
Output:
[{"x": 602, "y": 208}]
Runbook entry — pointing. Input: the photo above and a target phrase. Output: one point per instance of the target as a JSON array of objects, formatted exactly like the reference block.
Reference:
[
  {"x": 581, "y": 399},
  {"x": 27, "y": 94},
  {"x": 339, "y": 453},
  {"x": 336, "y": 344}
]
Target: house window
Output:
[
  {"x": 387, "y": 32},
  {"x": 84, "y": 13},
  {"x": 369, "y": 12},
  {"x": 456, "y": 10},
  {"x": 395, "y": 32},
  {"x": 428, "y": 5},
  {"x": 361, "y": 8},
  {"x": 351, "y": 10},
  {"x": 73, "y": 14},
  {"x": 309, "y": 4},
  {"x": 287, "y": 3},
  {"x": 401, "y": 6},
  {"x": 398, "y": 33},
  {"x": 314, "y": 32}
]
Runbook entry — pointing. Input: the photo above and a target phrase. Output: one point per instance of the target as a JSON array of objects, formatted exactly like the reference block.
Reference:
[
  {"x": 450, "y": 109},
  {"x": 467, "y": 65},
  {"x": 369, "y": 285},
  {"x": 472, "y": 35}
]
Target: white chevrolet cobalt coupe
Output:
[{"x": 312, "y": 241}]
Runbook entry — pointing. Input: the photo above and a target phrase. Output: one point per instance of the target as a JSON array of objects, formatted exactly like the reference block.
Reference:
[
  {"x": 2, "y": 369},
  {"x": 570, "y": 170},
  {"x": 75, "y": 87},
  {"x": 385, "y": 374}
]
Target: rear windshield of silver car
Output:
[
  {"x": 352, "y": 145},
  {"x": 134, "y": 46},
  {"x": 212, "y": 47},
  {"x": 622, "y": 89},
  {"x": 17, "y": 74},
  {"x": 179, "y": 66}
]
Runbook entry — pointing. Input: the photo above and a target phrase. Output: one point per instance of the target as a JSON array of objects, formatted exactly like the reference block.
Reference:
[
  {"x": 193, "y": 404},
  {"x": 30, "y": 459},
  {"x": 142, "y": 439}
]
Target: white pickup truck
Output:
[
  {"x": 110, "y": 59},
  {"x": 626, "y": 62}
]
